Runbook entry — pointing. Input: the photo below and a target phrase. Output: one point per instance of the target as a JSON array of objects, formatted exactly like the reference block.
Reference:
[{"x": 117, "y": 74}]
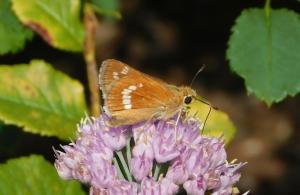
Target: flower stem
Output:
[
  {"x": 90, "y": 23},
  {"x": 128, "y": 153},
  {"x": 120, "y": 174},
  {"x": 156, "y": 171},
  {"x": 124, "y": 164}
]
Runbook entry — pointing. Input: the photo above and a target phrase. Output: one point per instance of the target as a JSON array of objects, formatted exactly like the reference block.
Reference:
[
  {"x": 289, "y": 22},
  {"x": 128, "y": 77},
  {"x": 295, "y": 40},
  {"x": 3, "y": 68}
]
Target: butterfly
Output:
[{"x": 131, "y": 96}]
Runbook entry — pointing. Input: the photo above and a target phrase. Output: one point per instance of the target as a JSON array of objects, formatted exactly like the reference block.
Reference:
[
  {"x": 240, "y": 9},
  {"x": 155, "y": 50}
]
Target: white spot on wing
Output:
[
  {"x": 141, "y": 85},
  {"x": 126, "y": 91},
  {"x": 126, "y": 96},
  {"x": 127, "y": 101},
  {"x": 132, "y": 87},
  {"x": 116, "y": 76},
  {"x": 125, "y": 70},
  {"x": 128, "y": 106}
]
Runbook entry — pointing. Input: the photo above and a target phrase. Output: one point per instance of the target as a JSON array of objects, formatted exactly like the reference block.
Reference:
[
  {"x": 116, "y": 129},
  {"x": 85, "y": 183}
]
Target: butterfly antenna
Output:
[
  {"x": 196, "y": 75},
  {"x": 210, "y": 107},
  {"x": 207, "y": 103}
]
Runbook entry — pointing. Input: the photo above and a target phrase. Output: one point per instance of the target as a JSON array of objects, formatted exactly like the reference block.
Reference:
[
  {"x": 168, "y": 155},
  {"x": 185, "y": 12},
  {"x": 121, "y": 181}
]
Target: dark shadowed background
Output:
[{"x": 172, "y": 39}]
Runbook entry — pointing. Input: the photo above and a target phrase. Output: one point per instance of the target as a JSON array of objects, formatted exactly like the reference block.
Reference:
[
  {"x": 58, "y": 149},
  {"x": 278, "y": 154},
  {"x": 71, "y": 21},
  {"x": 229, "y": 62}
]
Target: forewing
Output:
[
  {"x": 110, "y": 72},
  {"x": 126, "y": 90}
]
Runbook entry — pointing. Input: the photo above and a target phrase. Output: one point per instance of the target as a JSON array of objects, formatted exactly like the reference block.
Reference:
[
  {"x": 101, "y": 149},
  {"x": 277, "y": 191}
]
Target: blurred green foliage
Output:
[
  {"x": 109, "y": 8},
  {"x": 218, "y": 124},
  {"x": 1, "y": 127},
  {"x": 13, "y": 34},
  {"x": 34, "y": 176}
]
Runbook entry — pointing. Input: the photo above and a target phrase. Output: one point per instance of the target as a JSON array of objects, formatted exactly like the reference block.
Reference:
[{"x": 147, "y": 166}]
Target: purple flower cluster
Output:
[{"x": 196, "y": 163}]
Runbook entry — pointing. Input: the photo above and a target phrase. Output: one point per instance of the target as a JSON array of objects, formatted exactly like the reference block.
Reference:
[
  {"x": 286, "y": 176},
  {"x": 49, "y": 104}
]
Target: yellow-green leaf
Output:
[
  {"x": 41, "y": 99},
  {"x": 218, "y": 123},
  {"x": 57, "y": 21},
  {"x": 34, "y": 176}
]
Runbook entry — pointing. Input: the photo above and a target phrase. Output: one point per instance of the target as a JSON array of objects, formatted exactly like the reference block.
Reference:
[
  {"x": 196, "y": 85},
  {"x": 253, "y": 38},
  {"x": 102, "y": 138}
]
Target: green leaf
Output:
[
  {"x": 41, "y": 99},
  {"x": 107, "y": 7},
  {"x": 218, "y": 123},
  {"x": 13, "y": 34},
  {"x": 58, "y": 22},
  {"x": 34, "y": 176},
  {"x": 265, "y": 51}
]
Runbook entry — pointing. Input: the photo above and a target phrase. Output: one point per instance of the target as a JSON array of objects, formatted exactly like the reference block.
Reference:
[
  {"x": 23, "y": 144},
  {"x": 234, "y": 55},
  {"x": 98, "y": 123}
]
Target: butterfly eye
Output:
[{"x": 187, "y": 99}]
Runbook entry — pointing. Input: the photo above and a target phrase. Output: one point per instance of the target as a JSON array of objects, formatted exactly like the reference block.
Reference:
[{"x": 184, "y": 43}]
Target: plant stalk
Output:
[
  {"x": 90, "y": 23},
  {"x": 124, "y": 165},
  {"x": 268, "y": 8}
]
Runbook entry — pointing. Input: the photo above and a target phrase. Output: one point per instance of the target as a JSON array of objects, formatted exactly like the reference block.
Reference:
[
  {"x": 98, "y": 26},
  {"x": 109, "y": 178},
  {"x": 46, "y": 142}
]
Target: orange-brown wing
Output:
[
  {"x": 127, "y": 91},
  {"x": 110, "y": 72}
]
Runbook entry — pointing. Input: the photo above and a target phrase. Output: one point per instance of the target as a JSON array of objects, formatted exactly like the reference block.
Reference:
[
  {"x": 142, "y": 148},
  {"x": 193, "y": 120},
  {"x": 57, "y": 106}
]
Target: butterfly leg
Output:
[
  {"x": 148, "y": 124},
  {"x": 145, "y": 126},
  {"x": 176, "y": 123}
]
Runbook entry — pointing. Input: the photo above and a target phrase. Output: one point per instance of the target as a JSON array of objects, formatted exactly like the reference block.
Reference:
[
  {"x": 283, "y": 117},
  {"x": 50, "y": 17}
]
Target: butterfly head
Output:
[{"x": 188, "y": 96}]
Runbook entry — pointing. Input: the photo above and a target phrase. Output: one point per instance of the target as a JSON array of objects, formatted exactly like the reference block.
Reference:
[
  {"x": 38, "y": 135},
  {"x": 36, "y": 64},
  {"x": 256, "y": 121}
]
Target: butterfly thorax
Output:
[{"x": 178, "y": 101}]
